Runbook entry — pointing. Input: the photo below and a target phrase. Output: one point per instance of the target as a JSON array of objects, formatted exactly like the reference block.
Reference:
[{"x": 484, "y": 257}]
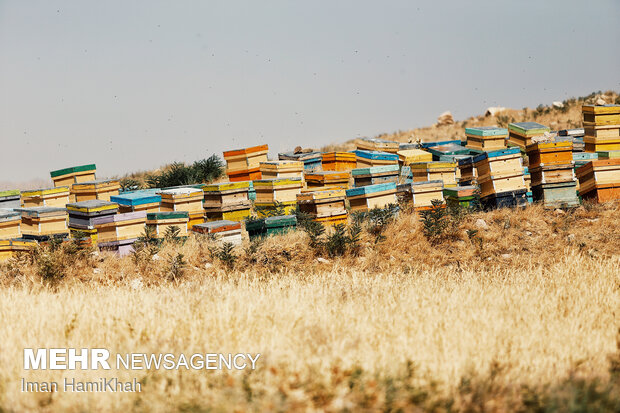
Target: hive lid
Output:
[
  {"x": 439, "y": 143},
  {"x": 528, "y": 127},
  {"x": 246, "y": 151},
  {"x": 280, "y": 221},
  {"x": 486, "y": 131},
  {"x": 151, "y": 216},
  {"x": 9, "y": 215},
  {"x": 41, "y": 211},
  {"x": 371, "y": 189},
  {"x": 46, "y": 191},
  {"x": 495, "y": 154},
  {"x": 10, "y": 193},
  {"x": 213, "y": 227},
  {"x": 308, "y": 156},
  {"x": 448, "y": 149},
  {"x": 73, "y": 169},
  {"x": 93, "y": 205},
  {"x": 572, "y": 132},
  {"x": 227, "y": 186},
  {"x": 375, "y": 170},
  {"x": 136, "y": 198},
  {"x": 96, "y": 183},
  {"x": 601, "y": 109},
  {"x": 376, "y": 155},
  {"x": 428, "y": 183},
  {"x": 180, "y": 191}
]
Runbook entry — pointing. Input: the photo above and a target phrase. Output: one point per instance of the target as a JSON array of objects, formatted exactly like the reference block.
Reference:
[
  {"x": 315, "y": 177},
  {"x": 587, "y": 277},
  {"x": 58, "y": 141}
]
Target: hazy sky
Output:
[{"x": 131, "y": 85}]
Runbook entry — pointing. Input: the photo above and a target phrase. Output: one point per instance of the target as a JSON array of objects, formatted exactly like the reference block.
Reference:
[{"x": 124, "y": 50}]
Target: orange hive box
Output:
[
  {"x": 338, "y": 161},
  {"x": 328, "y": 180},
  {"x": 559, "y": 152},
  {"x": 244, "y": 164},
  {"x": 601, "y": 125},
  {"x": 599, "y": 180},
  {"x": 327, "y": 206}
]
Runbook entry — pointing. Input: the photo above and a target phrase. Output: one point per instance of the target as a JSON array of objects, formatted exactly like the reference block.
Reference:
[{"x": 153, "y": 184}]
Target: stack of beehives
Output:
[
  {"x": 282, "y": 169},
  {"x": 227, "y": 201},
  {"x": 10, "y": 199},
  {"x": 552, "y": 173},
  {"x": 165, "y": 223},
  {"x": 10, "y": 224},
  {"x": 319, "y": 180},
  {"x": 338, "y": 161},
  {"x": 44, "y": 223},
  {"x": 274, "y": 193},
  {"x": 436, "y": 170},
  {"x": 184, "y": 199},
  {"x": 375, "y": 175},
  {"x": 600, "y": 180},
  {"x": 422, "y": 194},
  {"x": 521, "y": 133},
  {"x": 102, "y": 190},
  {"x": 223, "y": 230},
  {"x": 311, "y": 160},
  {"x": 372, "y": 196},
  {"x": 144, "y": 200},
  {"x": 500, "y": 178},
  {"x": 486, "y": 138},
  {"x": 467, "y": 171},
  {"x": 82, "y": 215},
  {"x": 602, "y": 127},
  {"x": 409, "y": 156},
  {"x": 366, "y": 159},
  {"x": 244, "y": 164},
  {"x": 262, "y": 227},
  {"x": 119, "y": 232},
  {"x": 327, "y": 206}
]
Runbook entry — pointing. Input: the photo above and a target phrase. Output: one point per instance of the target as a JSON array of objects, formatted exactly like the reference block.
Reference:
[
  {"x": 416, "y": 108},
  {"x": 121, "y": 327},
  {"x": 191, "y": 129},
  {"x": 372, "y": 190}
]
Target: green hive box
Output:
[
  {"x": 560, "y": 195},
  {"x": 270, "y": 225}
]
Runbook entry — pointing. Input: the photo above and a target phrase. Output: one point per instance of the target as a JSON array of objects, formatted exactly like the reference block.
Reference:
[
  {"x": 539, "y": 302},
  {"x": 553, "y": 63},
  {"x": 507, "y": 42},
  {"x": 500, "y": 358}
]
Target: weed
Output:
[
  {"x": 176, "y": 266},
  {"x": 225, "y": 253}
]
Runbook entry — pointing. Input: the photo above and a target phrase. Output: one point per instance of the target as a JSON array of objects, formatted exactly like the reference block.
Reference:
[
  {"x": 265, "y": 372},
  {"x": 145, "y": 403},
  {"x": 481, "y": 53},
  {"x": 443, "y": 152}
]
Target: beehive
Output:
[
  {"x": 372, "y": 196},
  {"x": 311, "y": 160},
  {"x": 423, "y": 193},
  {"x": 270, "y": 226},
  {"x": 160, "y": 222},
  {"x": 328, "y": 180},
  {"x": 10, "y": 224},
  {"x": 101, "y": 190},
  {"x": 465, "y": 196},
  {"x": 42, "y": 223},
  {"x": 426, "y": 145},
  {"x": 122, "y": 247},
  {"x": 608, "y": 154},
  {"x": 82, "y": 214},
  {"x": 467, "y": 170},
  {"x": 338, "y": 161},
  {"x": 184, "y": 199},
  {"x": 282, "y": 169},
  {"x": 277, "y": 190},
  {"x": 521, "y": 133},
  {"x": 600, "y": 180},
  {"x": 376, "y": 144},
  {"x": 10, "y": 199},
  {"x": 552, "y": 174},
  {"x": 500, "y": 171},
  {"x": 227, "y": 201},
  {"x": 375, "y": 175},
  {"x": 73, "y": 175},
  {"x": 486, "y": 138},
  {"x": 244, "y": 164},
  {"x": 148, "y": 201},
  {"x": 448, "y": 149},
  {"x": 556, "y": 195},
  {"x": 432, "y": 171},
  {"x": 111, "y": 229},
  {"x": 557, "y": 152},
  {"x": 409, "y": 156},
  {"x": 367, "y": 159},
  {"x": 602, "y": 127},
  {"x": 56, "y": 197},
  {"x": 265, "y": 209},
  {"x": 506, "y": 199},
  {"x": 10, "y": 247},
  {"x": 327, "y": 207},
  {"x": 224, "y": 231}
]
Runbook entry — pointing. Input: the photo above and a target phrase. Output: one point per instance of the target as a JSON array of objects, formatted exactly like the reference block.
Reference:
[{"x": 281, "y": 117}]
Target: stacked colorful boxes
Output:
[
  {"x": 521, "y": 133},
  {"x": 43, "y": 223},
  {"x": 228, "y": 201},
  {"x": 448, "y": 149},
  {"x": 184, "y": 199},
  {"x": 455, "y": 159},
  {"x": 375, "y": 175},
  {"x": 425, "y": 192},
  {"x": 119, "y": 232},
  {"x": 367, "y": 159},
  {"x": 372, "y": 196},
  {"x": 74, "y": 175},
  {"x": 10, "y": 224},
  {"x": 102, "y": 190},
  {"x": 82, "y": 215},
  {"x": 273, "y": 192},
  {"x": 280, "y": 224},
  {"x": 327, "y": 207},
  {"x": 148, "y": 201},
  {"x": 467, "y": 171},
  {"x": 602, "y": 127},
  {"x": 10, "y": 199},
  {"x": 339, "y": 161},
  {"x": 327, "y": 180},
  {"x": 9, "y": 247},
  {"x": 50, "y": 197},
  {"x": 432, "y": 171},
  {"x": 577, "y": 136},
  {"x": 161, "y": 222},
  {"x": 608, "y": 154},
  {"x": 486, "y": 138},
  {"x": 282, "y": 169},
  {"x": 244, "y": 164},
  {"x": 409, "y": 156},
  {"x": 311, "y": 160},
  {"x": 224, "y": 231},
  {"x": 600, "y": 180},
  {"x": 376, "y": 144},
  {"x": 464, "y": 196},
  {"x": 552, "y": 173},
  {"x": 500, "y": 178}
]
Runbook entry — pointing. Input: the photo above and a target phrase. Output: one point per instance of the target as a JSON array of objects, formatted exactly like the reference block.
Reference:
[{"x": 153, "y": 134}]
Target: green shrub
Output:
[
  {"x": 176, "y": 266},
  {"x": 179, "y": 174}
]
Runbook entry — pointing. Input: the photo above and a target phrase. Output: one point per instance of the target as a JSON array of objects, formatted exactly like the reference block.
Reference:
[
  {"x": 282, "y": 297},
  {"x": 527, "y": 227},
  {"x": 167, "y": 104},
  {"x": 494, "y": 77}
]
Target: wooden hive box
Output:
[
  {"x": 10, "y": 224},
  {"x": 376, "y": 144},
  {"x": 552, "y": 174},
  {"x": 527, "y": 177},
  {"x": 372, "y": 196},
  {"x": 10, "y": 247},
  {"x": 464, "y": 196},
  {"x": 277, "y": 190},
  {"x": 74, "y": 175},
  {"x": 228, "y": 213},
  {"x": 10, "y": 199},
  {"x": 244, "y": 164},
  {"x": 506, "y": 199},
  {"x": 224, "y": 231},
  {"x": 608, "y": 155},
  {"x": 486, "y": 138},
  {"x": 311, "y": 160},
  {"x": 42, "y": 223},
  {"x": 265, "y": 209},
  {"x": 449, "y": 149},
  {"x": 148, "y": 201},
  {"x": 610, "y": 132},
  {"x": 327, "y": 207},
  {"x": 499, "y": 172},
  {"x": 409, "y": 156},
  {"x": 338, "y": 161},
  {"x": 328, "y": 179},
  {"x": 375, "y": 175},
  {"x": 455, "y": 160},
  {"x": 601, "y": 144},
  {"x": 187, "y": 199},
  {"x": 558, "y": 152},
  {"x": 432, "y": 171},
  {"x": 600, "y": 180},
  {"x": 101, "y": 190},
  {"x": 280, "y": 224},
  {"x": 82, "y": 214},
  {"x": 162, "y": 221},
  {"x": 282, "y": 169},
  {"x": 556, "y": 195},
  {"x": 244, "y": 174},
  {"x": 122, "y": 247},
  {"x": 367, "y": 159},
  {"x": 521, "y": 133},
  {"x": 467, "y": 170},
  {"x": 601, "y": 115},
  {"x": 425, "y": 192},
  {"x": 56, "y": 197},
  {"x": 227, "y": 194},
  {"x": 111, "y": 229}
]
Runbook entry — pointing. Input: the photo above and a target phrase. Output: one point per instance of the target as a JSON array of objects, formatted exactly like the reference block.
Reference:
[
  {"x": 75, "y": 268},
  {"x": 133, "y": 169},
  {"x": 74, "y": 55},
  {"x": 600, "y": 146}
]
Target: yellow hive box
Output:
[
  {"x": 162, "y": 221},
  {"x": 277, "y": 190},
  {"x": 120, "y": 227},
  {"x": 10, "y": 224},
  {"x": 50, "y": 197},
  {"x": 550, "y": 153},
  {"x": 433, "y": 171},
  {"x": 601, "y": 115},
  {"x": 601, "y": 144},
  {"x": 338, "y": 161},
  {"x": 182, "y": 199},
  {"x": 328, "y": 179},
  {"x": 409, "y": 156},
  {"x": 244, "y": 159},
  {"x": 264, "y": 209},
  {"x": 84, "y": 233},
  {"x": 375, "y": 144},
  {"x": 226, "y": 194},
  {"x": 602, "y": 132},
  {"x": 101, "y": 190},
  {"x": 424, "y": 193},
  {"x": 73, "y": 175},
  {"x": 282, "y": 169},
  {"x": 236, "y": 215},
  {"x": 10, "y": 247},
  {"x": 43, "y": 221}
]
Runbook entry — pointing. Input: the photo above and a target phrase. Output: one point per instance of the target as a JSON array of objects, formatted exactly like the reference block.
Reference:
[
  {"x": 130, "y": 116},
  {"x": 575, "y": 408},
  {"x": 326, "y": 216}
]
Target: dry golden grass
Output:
[{"x": 485, "y": 330}]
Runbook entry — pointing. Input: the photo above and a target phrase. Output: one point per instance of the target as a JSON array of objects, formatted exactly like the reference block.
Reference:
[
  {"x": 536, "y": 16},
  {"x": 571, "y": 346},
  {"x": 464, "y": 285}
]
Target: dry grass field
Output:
[{"x": 523, "y": 315}]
